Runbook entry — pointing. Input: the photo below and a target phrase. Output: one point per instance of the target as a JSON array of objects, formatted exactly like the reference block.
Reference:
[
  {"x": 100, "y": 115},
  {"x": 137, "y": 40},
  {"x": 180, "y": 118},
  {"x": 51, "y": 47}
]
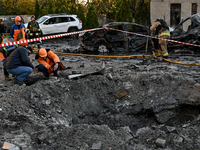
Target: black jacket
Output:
[{"x": 18, "y": 57}]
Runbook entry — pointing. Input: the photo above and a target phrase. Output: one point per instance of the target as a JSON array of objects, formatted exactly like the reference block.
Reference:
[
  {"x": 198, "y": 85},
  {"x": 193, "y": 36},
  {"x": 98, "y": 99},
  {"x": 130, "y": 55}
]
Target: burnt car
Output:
[
  {"x": 192, "y": 33},
  {"x": 107, "y": 40}
]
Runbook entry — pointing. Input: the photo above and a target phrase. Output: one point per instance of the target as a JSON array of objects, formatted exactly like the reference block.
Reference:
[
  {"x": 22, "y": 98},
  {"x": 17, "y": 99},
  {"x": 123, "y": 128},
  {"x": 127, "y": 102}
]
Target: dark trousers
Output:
[
  {"x": 34, "y": 36},
  {"x": 5, "y": 72},
  {"x": 45, "y": 71}
]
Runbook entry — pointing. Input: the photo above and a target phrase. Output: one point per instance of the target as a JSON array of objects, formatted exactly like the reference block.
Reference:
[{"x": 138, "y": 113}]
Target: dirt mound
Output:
[{"x": 160, "y": 109}]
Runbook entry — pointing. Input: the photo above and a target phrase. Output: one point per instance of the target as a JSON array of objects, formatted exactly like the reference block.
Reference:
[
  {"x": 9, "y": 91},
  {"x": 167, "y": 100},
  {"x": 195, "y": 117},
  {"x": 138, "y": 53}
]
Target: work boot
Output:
[
  {"x": 165, "y": 55},
  {"x": 7, "y": 78},
  {"x": 47, "y": 76},
  {"x": 56, "y": 75},
  {"x": 16, "y": 81}
]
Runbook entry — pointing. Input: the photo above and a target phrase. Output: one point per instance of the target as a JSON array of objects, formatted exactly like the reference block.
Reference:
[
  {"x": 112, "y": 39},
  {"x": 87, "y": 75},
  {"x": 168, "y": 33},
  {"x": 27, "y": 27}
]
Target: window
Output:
[
  {"x": 71, "y": 19},
  {"x": 175, "y": 14},
  {"x": 63, "y": 19},
  {"x": 41, "y": 19},
  {"x": 51, "y": 21},
  {"x": 194, "y": 8}
]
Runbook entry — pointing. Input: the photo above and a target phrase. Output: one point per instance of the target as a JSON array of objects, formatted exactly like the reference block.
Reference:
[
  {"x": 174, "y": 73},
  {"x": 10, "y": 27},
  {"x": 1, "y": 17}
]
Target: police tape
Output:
[
  {"x": 73, "y": 33},
  {"x": 46, "y": 37},
  {"x": 153, "y": 37}
]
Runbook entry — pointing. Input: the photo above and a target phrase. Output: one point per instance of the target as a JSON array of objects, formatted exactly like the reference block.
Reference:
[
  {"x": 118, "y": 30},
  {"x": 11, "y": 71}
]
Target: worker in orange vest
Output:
[
  {"x": 48, "y": 62},
  {"x": 17, "y": 31}
]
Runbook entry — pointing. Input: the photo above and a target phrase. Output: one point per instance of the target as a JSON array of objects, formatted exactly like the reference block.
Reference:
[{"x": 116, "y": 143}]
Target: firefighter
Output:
[
  {"x": 18, "y": 30},
  {"x": 48, "y": 62},
  {"x": 33, "y": 31},
  {"x": 162, "y": 30}
]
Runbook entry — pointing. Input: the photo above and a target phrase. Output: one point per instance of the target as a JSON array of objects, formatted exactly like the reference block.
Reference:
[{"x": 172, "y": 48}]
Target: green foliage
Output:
[
  {"x": 19, "y": 7},
  {"x": 91, "y": 19},
  {"x": 124, "y": 13},
  {"x": 37, "y": 9},
  {"x": 43, "y": 11},
  {"x": 50, "y": 7},
  {"x": 2, "y": 11},
  {"x": 72, "y": 9},
  {"x": 142, "y": 15},
  {"x": 80, "y": 15}
]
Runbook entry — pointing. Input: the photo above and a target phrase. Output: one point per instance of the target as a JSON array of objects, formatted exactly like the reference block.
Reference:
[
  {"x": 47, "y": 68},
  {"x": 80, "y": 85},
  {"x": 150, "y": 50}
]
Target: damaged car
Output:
[
  {"x": 107, "y": 40},
  {"x": 190, "y": 35}
]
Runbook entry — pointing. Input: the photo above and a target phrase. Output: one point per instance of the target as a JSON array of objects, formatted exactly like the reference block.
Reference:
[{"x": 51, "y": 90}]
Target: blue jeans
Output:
[
  {"x": 45, "y": 71},
  {"x": 21, "y": 72}
]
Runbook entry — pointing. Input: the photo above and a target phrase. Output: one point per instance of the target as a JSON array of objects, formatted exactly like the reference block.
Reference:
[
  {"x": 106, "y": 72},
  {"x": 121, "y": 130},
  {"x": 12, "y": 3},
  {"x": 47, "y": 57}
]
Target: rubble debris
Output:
[
  {"x": 121, "y": 94},
  {"x": 9, "y": 146},
  {"x": 96, "y": 146},
  {"x": 76, "y": 76},
  {"x": 160, "y": 142}
]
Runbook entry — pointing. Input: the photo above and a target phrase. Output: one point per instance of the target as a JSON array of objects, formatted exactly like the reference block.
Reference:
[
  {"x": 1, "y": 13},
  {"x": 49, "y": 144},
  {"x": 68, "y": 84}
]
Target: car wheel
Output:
[{"x": 74, "y": 36}]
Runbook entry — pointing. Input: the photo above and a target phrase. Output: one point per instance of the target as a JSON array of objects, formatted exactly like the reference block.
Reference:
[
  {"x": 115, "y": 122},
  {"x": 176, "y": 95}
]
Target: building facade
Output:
[{"x": 173, "y": 11}]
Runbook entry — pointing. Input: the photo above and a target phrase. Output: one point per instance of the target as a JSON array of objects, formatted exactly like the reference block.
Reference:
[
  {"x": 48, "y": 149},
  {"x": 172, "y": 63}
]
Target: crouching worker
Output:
[
  {"x": 4, "y": 53},
  {"x": 19, "y": 64},
  {"x": 48, "y": 62}
]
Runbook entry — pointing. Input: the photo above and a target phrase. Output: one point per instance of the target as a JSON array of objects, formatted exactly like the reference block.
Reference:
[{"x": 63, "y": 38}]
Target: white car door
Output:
[
  {"x": 48, "y": 27},
  {"x": 64, "y": 24},
  {"x": 60, "y": 26}
]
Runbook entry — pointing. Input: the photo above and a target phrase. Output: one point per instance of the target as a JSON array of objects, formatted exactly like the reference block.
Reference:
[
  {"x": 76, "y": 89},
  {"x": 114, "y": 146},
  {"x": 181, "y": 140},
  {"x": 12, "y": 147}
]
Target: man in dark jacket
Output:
[{"x": 19, "y": 64}]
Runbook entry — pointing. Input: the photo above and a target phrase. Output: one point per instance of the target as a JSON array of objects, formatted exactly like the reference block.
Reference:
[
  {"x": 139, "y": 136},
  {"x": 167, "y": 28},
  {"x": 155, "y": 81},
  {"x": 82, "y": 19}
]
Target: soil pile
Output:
[{"x": 159, "y": 111}]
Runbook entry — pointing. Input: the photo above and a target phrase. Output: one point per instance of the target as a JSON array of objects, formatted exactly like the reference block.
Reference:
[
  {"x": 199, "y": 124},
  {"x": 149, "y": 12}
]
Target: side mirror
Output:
[{"x": 45, "y": 23}]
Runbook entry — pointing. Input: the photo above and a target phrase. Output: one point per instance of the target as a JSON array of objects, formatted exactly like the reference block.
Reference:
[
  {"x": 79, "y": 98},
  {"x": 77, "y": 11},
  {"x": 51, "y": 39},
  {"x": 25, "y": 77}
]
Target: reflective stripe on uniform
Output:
[
  {"x": 5, "y": 49},
  {"x": 164, "y": 33}
]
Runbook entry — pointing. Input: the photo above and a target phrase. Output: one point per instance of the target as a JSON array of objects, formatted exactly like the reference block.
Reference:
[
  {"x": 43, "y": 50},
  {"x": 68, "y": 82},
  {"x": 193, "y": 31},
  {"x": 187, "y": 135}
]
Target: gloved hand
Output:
[
  {"x": 4, "y": 63},
  {"x": 51, "y": 68},
  {"x": 56, "y": 66}
]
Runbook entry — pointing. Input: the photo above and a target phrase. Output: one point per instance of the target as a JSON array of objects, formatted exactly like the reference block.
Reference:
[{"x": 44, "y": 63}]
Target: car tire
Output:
[{"x": 74, "y": 36}]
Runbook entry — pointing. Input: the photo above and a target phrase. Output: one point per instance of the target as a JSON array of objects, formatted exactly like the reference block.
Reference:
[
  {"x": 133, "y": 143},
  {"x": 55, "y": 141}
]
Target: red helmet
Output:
[{"x": 18, "y": 18}]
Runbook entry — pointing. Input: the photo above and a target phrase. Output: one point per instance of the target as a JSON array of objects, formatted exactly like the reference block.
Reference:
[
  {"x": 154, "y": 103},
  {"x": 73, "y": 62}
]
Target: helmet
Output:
[
  {"x": 18, "y": 18},
  {"x": 158, "y": 19},
  {"x": 42, "y": 52},
  {"x": 32, "y": 16}
]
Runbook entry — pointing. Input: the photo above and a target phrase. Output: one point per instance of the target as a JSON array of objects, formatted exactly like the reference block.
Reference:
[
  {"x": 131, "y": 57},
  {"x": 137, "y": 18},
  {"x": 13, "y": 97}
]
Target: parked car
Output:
[
  {"x": 191, "y": 35},
  {"x": 8, "y": 21},
  {"x": 59, "y": 23},
  {"x": 111, "y": 40}
]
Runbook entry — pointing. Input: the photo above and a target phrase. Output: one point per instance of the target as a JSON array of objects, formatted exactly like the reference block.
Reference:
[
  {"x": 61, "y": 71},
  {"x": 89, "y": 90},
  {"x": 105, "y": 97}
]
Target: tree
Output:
[
  {"x": 124, "y": 13},
  {"x": 91, "y": 19},
  {"x": 43, "y": 10},
  {"x": 80, "y": 15},
  {"x": 37, "y": 9},
  {"x": 142, "y": 15},
  {"x": 72, "y": 9},
  {"x": 13, "y": 7},
  {"x": 134, "y": 5},
  {"x": 50, "y": 7}
]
